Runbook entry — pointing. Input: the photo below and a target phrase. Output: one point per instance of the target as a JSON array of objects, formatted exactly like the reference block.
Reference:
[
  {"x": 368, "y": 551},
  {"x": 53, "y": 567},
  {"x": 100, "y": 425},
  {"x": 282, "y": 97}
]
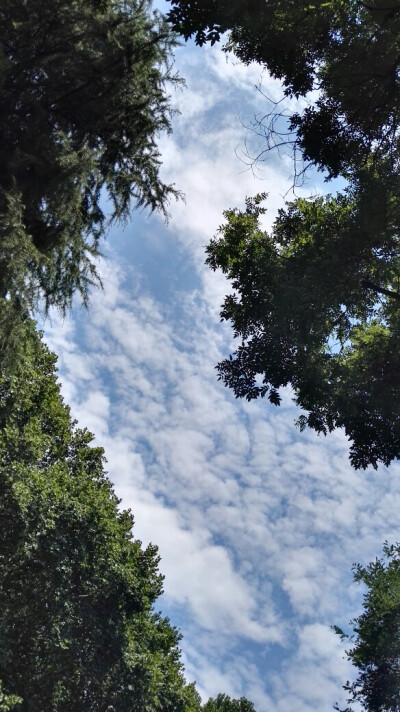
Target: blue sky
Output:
[{"x": 257, "y": 525}]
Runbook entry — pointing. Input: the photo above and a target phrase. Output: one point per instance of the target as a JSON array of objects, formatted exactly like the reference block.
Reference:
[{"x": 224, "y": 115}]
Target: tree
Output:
[
  {"x": 78, "y": 630},
  {"x": 316, "y": 305},
  {"x": 83, "y": 89},
  {"x": 375, "y": 650},
  {"x": 224, "y": 703},
  {"x": 347, "y": 50},
  {"x": 284, "y": 36},
  {"x": 77, "y": 625}
]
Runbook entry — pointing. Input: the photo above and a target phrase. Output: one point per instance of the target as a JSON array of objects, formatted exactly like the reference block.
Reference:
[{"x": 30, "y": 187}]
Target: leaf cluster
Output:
[
  {"x": 224, "y": 703},
  {"x": 285, "y": 36},
  {"x": 316, "y": 306}
]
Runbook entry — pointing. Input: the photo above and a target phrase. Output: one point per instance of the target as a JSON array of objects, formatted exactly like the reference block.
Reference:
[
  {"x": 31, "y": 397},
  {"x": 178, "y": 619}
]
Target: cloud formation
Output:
[{"x": 257, "y": 524}]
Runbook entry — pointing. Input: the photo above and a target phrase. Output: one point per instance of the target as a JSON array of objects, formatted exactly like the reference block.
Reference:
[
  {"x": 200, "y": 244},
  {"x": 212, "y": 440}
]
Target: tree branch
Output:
[{"x": 367, "y": 284}]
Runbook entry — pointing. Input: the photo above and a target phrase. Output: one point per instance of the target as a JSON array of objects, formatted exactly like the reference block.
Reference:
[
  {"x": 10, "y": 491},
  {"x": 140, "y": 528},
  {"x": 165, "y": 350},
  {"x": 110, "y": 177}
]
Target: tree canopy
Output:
[
  {"x": 347, "y": 50},
  {"x": 315, "y": 306},
  {"x": 375, "y": 647},
  {"x": 77, "y": 625},
  {"x": 316, "y": 303},
  {"x": 224, "y": 703},
  {"x": 83, "y": 99}
]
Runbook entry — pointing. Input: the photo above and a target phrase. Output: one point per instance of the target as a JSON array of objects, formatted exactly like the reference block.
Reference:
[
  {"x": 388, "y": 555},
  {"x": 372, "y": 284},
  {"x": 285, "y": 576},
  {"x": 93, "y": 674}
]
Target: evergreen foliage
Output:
[{"x": 83, "y": 99}]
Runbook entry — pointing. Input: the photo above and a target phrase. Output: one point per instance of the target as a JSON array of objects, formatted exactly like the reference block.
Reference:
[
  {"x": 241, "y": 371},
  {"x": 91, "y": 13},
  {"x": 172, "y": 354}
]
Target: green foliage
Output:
[
  {"x": 8, "y": 702},
  {"x": 316, "y": 306},
  {"x": 347, "y": 50},
  {"x": 224, "y": 703},
  {"x": 83, "y": 101},
  {"x": 375, "y": 650},
  {"x": 77, "y": 625},
  {"x": 316, "y": 303},
  {"x": 285, "y": 36}
]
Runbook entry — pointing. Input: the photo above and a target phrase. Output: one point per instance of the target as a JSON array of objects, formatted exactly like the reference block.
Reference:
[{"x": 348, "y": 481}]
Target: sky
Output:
[{"x": 257, "y": 524}]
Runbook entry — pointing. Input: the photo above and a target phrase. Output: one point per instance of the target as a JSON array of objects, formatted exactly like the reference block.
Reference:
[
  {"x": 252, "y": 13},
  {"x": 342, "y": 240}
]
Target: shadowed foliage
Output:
[
  {"x": 347, "y": 50},
  {"x": 316, "y": 305},
  {"x": 375, "y": 650}
]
